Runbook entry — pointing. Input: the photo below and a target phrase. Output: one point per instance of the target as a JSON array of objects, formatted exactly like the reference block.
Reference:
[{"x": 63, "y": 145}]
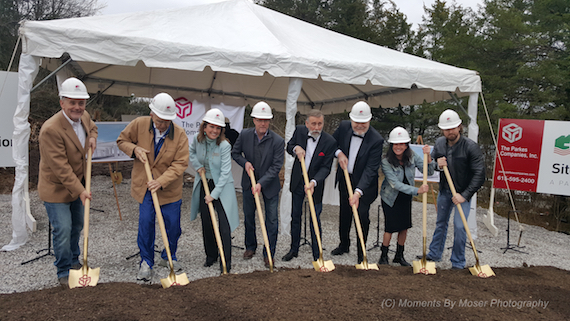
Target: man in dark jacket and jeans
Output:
[{"x": 466, "y": 164}]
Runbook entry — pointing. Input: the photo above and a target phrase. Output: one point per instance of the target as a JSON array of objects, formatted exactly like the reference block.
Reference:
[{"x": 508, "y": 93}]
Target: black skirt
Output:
[{"x": 398, "y": 217}]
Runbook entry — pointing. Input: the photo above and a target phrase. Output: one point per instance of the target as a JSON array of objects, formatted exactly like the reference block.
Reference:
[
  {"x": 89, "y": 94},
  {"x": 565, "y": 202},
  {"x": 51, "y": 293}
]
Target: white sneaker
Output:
[
  {"x": 177, "y": 266},
  {"x": 145, "y": 272}
]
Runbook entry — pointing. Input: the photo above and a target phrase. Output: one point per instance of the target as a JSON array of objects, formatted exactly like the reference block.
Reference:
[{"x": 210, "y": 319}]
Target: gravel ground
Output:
[{"x": 113, "y": 240}]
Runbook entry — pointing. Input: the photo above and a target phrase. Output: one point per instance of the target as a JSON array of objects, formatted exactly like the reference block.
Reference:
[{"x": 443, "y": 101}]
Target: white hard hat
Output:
[
  {"x": 163, "y": 106},
  {"x": 399, "y": 135},
  {"x": 449, "y": 119},
  {"x": 261, "y": 110},
  {"x": 215, "y": 116},
  {"x": 360, "y": 112},
  {"x": 73, "y": 88}
]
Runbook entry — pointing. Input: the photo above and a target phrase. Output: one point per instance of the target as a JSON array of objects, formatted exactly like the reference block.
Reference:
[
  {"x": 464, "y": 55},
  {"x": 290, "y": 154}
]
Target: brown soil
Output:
[{"x": 392, "y": 293}]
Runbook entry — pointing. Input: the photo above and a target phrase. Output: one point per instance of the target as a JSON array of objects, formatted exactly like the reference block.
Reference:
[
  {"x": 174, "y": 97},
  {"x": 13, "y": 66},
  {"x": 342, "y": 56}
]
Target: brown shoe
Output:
[{"x": 248, "y": 254}]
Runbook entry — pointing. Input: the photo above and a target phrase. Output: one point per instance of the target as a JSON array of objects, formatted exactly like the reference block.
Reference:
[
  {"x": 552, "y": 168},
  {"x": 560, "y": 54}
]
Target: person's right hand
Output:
[
  {"x": 83, "y": 196},
  {"x": 441, "y": 162},
  {"x": 201, "y": 170},
  {"x": 342, "y": 160},
  {"x": 248, "y": 167},
  {"x": 300, "y": 152},
  {"x": 140, "y": 153}
]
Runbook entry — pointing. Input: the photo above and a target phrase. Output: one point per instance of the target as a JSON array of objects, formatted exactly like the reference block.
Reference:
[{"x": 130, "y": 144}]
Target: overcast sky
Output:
[{"x": 413, "y": 9}]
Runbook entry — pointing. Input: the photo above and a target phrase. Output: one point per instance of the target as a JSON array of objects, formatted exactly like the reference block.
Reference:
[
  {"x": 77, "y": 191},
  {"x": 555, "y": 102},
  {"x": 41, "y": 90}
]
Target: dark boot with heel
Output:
[
  {"x": 384, "y": 256},
  {"x": 399, "y": 258}
]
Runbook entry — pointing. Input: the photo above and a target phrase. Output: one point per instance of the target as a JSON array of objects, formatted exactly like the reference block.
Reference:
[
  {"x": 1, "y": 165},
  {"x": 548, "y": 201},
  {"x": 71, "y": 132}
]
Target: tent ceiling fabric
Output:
[{"x": 239, "y": 51}]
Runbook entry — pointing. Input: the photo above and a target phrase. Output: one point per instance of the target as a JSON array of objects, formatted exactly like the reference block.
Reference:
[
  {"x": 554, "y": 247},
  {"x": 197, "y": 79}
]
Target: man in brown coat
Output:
[
  {"x": 64, "y": 140},
  {"x": 165, "y": 145}
]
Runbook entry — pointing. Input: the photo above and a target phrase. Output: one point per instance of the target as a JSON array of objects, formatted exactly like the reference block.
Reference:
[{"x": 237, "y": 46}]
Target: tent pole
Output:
[{"x": 51, "y": 75}]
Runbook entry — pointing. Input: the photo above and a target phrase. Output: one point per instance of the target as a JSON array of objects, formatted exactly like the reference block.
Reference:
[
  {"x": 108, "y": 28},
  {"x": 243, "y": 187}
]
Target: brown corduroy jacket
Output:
[
  {"x": 168, "y": 167},
  {"x": 62, "y": 158}
]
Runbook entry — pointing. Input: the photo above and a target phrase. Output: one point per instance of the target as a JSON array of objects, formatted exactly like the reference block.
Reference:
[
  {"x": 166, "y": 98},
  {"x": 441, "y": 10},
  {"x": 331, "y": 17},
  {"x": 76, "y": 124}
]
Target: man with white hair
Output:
[
  {"x": 64, "y": 140},
  {"x": 164, "y": 145},
  {"x": 360, "y": 152}
]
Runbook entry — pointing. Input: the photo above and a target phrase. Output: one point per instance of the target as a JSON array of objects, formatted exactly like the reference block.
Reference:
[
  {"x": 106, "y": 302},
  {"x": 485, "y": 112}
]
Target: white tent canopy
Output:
[{"x": 234, "y": 52}]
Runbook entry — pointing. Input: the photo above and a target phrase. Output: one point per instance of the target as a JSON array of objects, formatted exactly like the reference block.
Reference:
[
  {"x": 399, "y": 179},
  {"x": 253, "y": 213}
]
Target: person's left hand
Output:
[
  {"x": 458, "y": 199},
  {"x": 310, "y": 188},
  {"x": 208, "y": 199},
  {"x": 153, "y": 185},
  {"x": 256, "y": 189},
  {"x": 355, "y": 199},
  {"x": 84, "y": 196}
]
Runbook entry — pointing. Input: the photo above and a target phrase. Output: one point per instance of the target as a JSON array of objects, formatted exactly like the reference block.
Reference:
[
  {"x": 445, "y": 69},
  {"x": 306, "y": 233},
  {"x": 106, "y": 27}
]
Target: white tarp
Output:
[{"x": 232, "y": 52}]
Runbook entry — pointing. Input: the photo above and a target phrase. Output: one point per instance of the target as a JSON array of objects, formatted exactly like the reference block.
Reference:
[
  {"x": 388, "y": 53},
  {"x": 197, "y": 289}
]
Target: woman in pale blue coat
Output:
[
  {"x": 397, "y": 189},
  {"x": 210, "y": 152}
]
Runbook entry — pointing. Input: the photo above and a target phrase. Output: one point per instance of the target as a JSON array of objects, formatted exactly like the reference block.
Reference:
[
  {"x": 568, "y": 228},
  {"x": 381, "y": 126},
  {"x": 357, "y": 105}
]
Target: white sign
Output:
[{"x": 8, "y": 104}]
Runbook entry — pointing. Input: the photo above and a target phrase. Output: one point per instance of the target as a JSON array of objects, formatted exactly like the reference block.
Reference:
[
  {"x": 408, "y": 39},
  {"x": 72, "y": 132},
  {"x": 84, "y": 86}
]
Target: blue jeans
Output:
[
  {"x": 271, "y": 221},
  {"x": 67, "y": 222},
  {"x": 444, "y": 208},
  {"x": 298, "y": 196},
  {"x": 145, "y": 238}
]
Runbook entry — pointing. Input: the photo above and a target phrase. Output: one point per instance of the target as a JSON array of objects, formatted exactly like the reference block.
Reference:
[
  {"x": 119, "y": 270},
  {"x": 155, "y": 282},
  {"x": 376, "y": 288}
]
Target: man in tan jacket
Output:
[
  {"x": 64, "y": 140},
  {"x": 165, "y": 145}
]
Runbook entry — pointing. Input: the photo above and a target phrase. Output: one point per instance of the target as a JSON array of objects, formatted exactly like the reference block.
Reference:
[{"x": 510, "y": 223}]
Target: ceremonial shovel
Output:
[
  {"x": 214, "y": 223},
  {"x": 172, "y": 278},
  {"x": 320, "y": 265},
  {"x": 85, "y": 276},
  {"x": 423, "y": 266},
  {"x": 364, "y": 265},
  {"x": 261, "y": 221},
  {"x": 484, "y": 271}
]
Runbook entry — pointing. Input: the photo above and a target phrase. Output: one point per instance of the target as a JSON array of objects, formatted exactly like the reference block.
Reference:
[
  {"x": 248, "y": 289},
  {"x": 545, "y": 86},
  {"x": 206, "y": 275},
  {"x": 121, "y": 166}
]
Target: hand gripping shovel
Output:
[
  {"x": 172, "y": 279},
  {"x": 484, "y": 271},
  {"x": 85, "y": 276},
  {"x": 364, "y": 265},
  {"x": 320, "y": 265},
  {"x": 261, "y": 222},
  {"x": 423, "y": 266},
  {"x": 214, "y": 224}
]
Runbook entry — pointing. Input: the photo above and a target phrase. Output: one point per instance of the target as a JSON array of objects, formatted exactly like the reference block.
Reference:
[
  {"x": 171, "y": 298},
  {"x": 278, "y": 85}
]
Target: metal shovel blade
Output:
[
  {"x": 83, "y": 277},
  {"x": 323, "y": 266},
  {"x": 423, "y": 267},
  {"x": 482, "y": 271},
  {"x": 365, "y": 266},
  {"x": 174, "y": 280}
]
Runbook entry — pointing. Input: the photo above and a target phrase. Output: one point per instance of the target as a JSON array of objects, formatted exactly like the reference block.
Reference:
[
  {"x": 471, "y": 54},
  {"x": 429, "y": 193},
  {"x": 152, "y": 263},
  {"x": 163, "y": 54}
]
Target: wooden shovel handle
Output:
[
  {"x": 214, "y": 222},
  {"x": 159, "y": 217},
  {"x": 261, "y": 220},
  {"x": 453, "y": 192},
  {"x": 87, "y": 207},
  {"x": 356, "y": 217},
  {"x": 312, "y": 208},
  {"x": 424, "y": 209}
]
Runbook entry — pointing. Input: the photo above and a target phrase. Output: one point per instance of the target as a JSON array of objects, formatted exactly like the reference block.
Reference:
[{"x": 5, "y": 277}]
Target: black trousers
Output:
[
  {"x": 210, "y": 244},
  {"x": 346, "y": 217}
]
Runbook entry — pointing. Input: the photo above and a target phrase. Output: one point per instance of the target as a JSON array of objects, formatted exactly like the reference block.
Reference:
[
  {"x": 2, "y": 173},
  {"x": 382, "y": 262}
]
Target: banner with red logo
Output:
[{"x": 535, "y": 155}]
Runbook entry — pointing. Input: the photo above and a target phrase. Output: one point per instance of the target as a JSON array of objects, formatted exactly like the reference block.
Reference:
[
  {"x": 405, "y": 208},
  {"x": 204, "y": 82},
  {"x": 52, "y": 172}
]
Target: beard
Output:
[{"x": 315, "y": 133}]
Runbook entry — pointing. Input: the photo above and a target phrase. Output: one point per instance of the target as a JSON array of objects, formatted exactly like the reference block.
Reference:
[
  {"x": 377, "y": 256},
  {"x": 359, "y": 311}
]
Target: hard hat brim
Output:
[{"x": 162, "y": 115}]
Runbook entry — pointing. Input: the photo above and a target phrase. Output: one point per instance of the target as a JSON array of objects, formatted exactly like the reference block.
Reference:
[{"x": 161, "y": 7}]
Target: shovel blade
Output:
[
  {"x": 425, "y": 268},
  {"x": 83, "y": 277},
  {"x": 323, "y": 266},
  {"x": 174, "y": 280},
  {"x": 366, "y": 266},
  {"x": 482, "y": 271}
]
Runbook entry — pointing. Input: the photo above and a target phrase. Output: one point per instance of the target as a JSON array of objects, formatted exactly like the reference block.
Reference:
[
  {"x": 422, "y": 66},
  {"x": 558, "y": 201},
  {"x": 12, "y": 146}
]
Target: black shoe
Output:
[
  {"x": 456, "y": 268},
  {"x": 339, "y": 251},
  {"x": 402, "y": 262},
  {"x": 210, "y": 261},
  {"x": 289, "y": 256},
  {"x": 428, "y": 259}
]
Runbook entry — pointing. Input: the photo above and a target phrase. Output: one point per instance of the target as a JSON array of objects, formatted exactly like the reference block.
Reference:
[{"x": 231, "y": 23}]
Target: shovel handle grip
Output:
[
  {"x": 214, "y": 222},
  {"x": 261, "y": 220}
]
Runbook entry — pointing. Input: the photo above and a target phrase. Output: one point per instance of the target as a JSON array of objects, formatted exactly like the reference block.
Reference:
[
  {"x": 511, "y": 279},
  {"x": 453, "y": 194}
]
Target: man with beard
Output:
[
  {"x": 317, "y": 148},
  {"x": 467, "y": 169},
  {"x": 360, "y": 152}
]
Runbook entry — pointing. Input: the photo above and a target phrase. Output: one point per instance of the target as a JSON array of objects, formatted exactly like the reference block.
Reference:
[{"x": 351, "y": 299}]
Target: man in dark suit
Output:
[
  {"x": 261, "y": 150},
  {"x": 359, "y": 151},
  {"x": 317, "y": 148}
]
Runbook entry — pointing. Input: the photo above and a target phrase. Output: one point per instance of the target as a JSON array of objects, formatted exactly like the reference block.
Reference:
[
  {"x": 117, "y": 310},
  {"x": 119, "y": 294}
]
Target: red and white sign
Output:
[{"x": 535, "y": 155}]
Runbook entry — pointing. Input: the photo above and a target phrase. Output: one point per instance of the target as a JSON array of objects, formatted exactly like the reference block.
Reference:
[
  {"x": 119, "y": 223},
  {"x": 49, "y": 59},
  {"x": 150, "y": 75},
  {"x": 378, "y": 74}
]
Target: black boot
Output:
[
  {"x": 384, "y": 256},
  {"x": 399, "y": 258}
]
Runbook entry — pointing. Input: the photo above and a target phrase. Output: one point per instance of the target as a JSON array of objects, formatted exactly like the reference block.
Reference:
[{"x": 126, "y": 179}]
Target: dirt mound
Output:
[{"x": 298, "y": 294}]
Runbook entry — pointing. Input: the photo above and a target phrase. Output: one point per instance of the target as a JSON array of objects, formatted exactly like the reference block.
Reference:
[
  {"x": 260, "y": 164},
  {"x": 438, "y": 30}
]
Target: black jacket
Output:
[{"x": 466, "y": 165}]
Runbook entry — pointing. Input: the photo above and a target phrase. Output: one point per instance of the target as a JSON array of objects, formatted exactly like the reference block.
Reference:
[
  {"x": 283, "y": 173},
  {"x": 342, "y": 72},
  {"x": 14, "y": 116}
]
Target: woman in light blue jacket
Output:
[
  {"x": 210, "y": 153},
  {"x": 397, "y": 190}
]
